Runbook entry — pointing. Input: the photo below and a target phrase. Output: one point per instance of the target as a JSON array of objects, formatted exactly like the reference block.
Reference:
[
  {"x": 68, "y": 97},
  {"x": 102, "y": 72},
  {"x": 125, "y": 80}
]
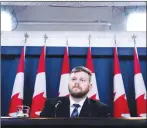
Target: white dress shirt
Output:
[{"x": 73, "y": 102}]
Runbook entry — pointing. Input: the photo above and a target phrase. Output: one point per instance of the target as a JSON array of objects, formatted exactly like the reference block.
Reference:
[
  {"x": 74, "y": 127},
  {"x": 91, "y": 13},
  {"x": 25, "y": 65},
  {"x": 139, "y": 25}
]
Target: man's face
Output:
[{"x": 79, "y": 84}]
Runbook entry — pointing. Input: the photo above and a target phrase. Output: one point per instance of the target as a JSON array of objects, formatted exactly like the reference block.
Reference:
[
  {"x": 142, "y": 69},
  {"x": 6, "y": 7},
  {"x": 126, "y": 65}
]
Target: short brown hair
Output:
[{"x": 82, "y": 69}]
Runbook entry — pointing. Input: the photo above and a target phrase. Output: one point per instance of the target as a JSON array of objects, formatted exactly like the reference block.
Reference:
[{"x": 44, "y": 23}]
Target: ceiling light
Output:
[
  {"x": 136, "y": 22},
  {"x": 6, "y": 21}
]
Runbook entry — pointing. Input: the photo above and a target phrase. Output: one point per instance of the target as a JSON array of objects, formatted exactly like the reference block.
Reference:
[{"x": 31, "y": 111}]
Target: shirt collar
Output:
[{"x": 73, "y": 102}]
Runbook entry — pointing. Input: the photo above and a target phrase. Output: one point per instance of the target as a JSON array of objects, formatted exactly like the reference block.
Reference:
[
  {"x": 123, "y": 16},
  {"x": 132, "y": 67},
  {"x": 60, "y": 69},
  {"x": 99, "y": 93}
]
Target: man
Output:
[{"x": 77, "y": 104}]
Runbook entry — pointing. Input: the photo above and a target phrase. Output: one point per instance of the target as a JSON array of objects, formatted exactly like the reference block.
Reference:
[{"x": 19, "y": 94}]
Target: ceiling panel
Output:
[
  {"x": 75, "y": 4},
  {"x": 70, "y": 16}
]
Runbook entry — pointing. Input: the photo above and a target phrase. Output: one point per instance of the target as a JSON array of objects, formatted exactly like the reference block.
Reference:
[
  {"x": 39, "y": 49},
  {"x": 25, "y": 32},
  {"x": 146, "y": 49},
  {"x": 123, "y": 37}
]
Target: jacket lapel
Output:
[{"x": 85, "y": 111}]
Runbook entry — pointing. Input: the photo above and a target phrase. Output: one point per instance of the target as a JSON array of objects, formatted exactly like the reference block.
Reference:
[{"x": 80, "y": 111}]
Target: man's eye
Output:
[
  {"x": 82, "y": 80},
  {"x": 73, "y": 79}
]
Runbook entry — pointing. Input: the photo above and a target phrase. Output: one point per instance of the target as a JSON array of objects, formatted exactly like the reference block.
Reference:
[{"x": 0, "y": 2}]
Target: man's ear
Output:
[{"x": 90, "y": 87}]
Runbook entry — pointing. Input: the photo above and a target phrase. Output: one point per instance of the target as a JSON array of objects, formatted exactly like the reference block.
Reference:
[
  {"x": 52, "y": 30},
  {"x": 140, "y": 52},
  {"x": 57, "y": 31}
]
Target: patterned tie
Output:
[{"x": 75, "y": 111}]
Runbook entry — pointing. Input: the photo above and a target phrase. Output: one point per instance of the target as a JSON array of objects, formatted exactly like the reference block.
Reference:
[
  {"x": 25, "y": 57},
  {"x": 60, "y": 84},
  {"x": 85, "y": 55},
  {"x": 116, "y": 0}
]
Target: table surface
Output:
[{"x": 5, "y": 121}]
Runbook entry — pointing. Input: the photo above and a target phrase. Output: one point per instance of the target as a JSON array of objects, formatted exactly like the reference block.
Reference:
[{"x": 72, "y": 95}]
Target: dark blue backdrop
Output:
[{"x": 103, "y": 64}]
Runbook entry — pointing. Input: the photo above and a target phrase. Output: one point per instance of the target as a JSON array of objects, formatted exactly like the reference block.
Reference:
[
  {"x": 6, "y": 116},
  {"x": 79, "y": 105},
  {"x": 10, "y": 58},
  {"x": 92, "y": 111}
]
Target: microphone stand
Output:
[{"x": 56, "y": 107}]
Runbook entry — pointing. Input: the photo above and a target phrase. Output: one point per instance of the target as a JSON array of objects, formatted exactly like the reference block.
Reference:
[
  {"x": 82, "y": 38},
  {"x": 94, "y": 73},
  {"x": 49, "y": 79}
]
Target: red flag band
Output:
[
  {"x": 140, "y": 90},
  {"x": 121, "y": 108},
  {"x": 17, "y": 92},
  {"x": 93, "y": 94},
  {"x": 39, "y": 96},
  {"x": 63, "y": 88}
]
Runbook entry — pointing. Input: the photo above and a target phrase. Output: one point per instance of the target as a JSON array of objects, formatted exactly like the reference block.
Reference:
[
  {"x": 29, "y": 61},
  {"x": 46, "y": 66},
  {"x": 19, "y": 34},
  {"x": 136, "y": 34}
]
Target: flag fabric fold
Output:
[
  {"x": 140, "y": 90},
  {"x": 93, "y": 94},
  {"x": 63, "y": 87},
  {"x": 120, "y": 106},
  {"x": 39, "y": 95},
  {"x": 18, "y": 87}
]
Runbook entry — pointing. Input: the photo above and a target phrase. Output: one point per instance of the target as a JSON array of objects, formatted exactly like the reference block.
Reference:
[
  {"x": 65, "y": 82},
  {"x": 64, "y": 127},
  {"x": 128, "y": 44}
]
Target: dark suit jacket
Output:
[{"x": 91, "y": 108}]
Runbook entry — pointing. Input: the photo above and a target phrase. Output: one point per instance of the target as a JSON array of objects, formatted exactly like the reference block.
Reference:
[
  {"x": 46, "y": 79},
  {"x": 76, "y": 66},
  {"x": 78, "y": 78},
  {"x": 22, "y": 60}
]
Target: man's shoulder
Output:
[
  {"x": 98, "y": 103},
  {"x": 55, "y": 100},
  {"x": 101, "y": 108}
]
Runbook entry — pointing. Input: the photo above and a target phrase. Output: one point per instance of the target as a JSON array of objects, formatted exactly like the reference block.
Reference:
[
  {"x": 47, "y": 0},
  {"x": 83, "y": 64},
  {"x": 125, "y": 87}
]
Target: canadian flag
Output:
[
  {"x": 140, "y": 90},
  {"x": 39, "y": 96},
  {"x": 120, "y": 101},
  {"x": 93, "y": 94},
  {"x": 63, "y": 88},
  {"x": 17, "y": 92}
]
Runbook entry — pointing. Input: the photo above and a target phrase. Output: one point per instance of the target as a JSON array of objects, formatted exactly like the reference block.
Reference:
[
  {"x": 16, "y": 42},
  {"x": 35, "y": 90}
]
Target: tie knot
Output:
[{"x": 76, "y": 105}]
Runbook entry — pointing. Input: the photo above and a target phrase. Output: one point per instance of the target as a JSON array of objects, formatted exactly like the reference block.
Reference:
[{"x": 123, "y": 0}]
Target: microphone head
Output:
[
  {"x": 59, "y": 102},
  {"x": 56, "y": 106}
]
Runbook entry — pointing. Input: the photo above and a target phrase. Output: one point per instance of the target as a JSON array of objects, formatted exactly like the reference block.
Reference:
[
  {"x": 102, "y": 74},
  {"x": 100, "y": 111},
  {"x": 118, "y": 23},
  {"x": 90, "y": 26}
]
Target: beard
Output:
[{"x": 77, "y": 94}]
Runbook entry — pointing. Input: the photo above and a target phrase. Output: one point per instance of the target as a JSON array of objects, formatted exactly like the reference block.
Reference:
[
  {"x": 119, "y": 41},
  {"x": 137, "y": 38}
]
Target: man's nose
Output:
[{"x": 77, "y": 82}]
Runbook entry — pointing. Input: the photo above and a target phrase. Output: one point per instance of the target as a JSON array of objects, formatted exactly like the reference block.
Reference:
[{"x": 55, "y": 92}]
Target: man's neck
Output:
[{"x": 77, "y": 99}]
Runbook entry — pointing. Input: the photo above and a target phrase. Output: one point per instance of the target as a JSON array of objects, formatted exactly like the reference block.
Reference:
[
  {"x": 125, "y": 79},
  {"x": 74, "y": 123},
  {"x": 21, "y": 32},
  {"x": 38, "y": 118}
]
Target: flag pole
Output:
[
  {"x": 134, "y": 39},
  {"x": 115, "y": 39},
  {"x": 67, "y": 41},
  {"x": 115, "y": 46},
  {"x": 45, "y": 38},
  {"x": 26, "y": 36},
  {"x": 89, "y": 38}
]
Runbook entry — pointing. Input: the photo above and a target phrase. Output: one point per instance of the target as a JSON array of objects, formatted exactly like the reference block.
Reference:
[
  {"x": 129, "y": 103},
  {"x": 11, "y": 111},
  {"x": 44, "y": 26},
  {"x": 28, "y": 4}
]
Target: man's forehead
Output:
[{"x": 78, "y": 73}]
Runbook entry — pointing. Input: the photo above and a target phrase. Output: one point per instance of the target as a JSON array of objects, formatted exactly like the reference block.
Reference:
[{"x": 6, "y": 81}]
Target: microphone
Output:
[
  {"x": 58, "y": 102},
  {"x": 56, "y": 106}
]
